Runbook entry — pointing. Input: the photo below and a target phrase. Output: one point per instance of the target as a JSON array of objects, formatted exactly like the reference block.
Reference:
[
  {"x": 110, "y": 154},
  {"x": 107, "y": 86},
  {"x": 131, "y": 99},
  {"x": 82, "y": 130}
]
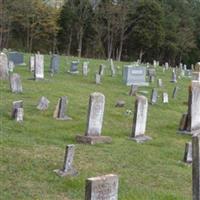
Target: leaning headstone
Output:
[
  {"x": 95, "y": 121},
  {"x": 39, "y": 67},
  {"x": 102, "y": 188},
  {"x": 154, "y": 96},
  {"x": 188, "y": 153},
  {"x": 15, "y": 106},
  {"x": 11, "y": 66},
  {"x": 15, "y": 83},
  {"x": 32, "y": 64},
  {"x": 61, "y": 109},
  {"x": 43, "y": 103},
  {"x": 85, "y": 68},
  {"x": 55, "y": 63},
  {"x": 3, "y": 66},
  {"x": 74, "y": 67},
  {"x": 175, "y": 91},
  {"x": 196, "y": 166},
  {"x": 140, "y": 120},
  {"x": 97, "y": 78},
  {"x": 165, "y": 97},
  {"x": 112, "y": 67},
  {"x": 68, "y": 169},
  {"x": 101, "y": 69},
  {"x": 160, "y": 83},
  {"x": 133, "y": 90}
]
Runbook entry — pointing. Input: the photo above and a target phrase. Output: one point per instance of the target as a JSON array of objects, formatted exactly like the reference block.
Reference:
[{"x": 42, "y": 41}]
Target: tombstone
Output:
[
  {"x": 16, "y": 57},
  {"x": 55, "y": 63},
  {"x": 39, "y": 67},
  {"x": 32, "y": 64},
  {"x": 19, "y": 115},
  {"x": 165, "y": 97},
  {"x": 188, "y": 73},
  {"x": 196, "y": 76},
  {"x": 112, "y": 67},
  {"x": 154, "y": 96},
  {"x": 133, "y": 90},
  {"x": 134, "y": 75},
  {"x": 160, "y": 83},
  {"x": 15, "y": 106},
  {"x": 98, "y": 78},
  {"x": 140, "y": 120},
  {"x": 154, "y": 63},
  {"x": 95, "y": 121},
  {"x": 68, "y": 169},
  {"x": 196, "y": 166},
  {"x": 102, "y": 188},
  {"x": 74, "y": 67},
  {"x": 11, "y": 66},
  {"x": 101, "y": 69},
  {"x": 151, "y": 72},
  {"x": 61, "y": 108},
  {"x": 188, "y": 153},
  {"x": 175, "y": 91},
  {"x": 3, "y": 66},
  {"x": 15, "y": 83},
  {"x": 185, "y": 67},
  {"x": 166, "y": 65},
  {"x": 173, "y": 80},
  {"x": 43, "y": 103},
  {"x": 85, "y": 68},
  {"x": 197, "y": 67},
  {"x": 190, "y": 121},
  {"x": 151, "y": 79}
]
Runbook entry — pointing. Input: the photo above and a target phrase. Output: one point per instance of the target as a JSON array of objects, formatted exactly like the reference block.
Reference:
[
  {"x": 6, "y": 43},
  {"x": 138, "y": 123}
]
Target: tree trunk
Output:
[
  {"x": 69, "y": 44},
  {"x": 80, "y": 42},
  {"x": 141, "y": 55},
  {"x": 120, "y": 46}
]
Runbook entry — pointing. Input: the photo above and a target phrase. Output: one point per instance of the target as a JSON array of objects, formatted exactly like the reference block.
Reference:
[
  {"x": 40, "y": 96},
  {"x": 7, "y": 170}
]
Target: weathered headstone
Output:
[
  {"x": 165, "y": 97},
  {"x": 3, "y": 66},
  {"x": 101, "y": 69},
  {"x": 43, "y": 103},
  {"x": 32, "y": 64},
  {"x": 19, "y": 114},
  {"x": 112, "y": 67},
  {"x": 11, "y": 66},
  {"x": 85, "y": 68},
  {"x": 196, "y": 76},
  {"x": 188, "y": 153},
  {"x": 39, "y": 67},
  {"x": 55, "y": 63},
  {"x": 74, "y": 67},
  {"x": 16, "y": 57},
  {"x": 61, "y": 109},
  {"x": 196, "y": 166},
  {"x": 15, "y": 106},
  {"x": 102, "y": 188},
  {"x": 154, "y": 96},
  {"x": 140, "y": 120},
  {"x": 151, "y": 72},
  {"x": 175, "y": 91},
  {"x": 97, "y": 78},
  {"x": 95, "y": 121},
  {"x": 173, "y": 80},
  {"x": 133, "y": 90},
  {"x": 166, "y": 65},
  {"x": 15, "y": 83},
  {"x": 160, "y": 83},
  {"x": 68, "y": 169}
]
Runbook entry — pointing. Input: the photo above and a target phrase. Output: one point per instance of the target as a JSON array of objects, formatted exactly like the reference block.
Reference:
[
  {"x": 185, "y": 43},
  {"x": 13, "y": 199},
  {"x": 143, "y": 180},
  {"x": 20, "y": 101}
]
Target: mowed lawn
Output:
[{"x": 32, "y": 150}]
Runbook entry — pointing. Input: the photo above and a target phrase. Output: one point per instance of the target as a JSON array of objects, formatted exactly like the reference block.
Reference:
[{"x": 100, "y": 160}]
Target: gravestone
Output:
[
  {"x": 85, "y": 68},
  {"x": 160, "y": 83},
  {"x": 11, "y": 66},
  {"x": 188, "y": 153},
  {"x": 68, "y": 169},
  {"x": 154, "y": 96},
  {"x": 74, "y": 67},
  {"x": 19, "y": 115},
  {"x": 140, "y": 120},
  {"x": 166, "y": 65},
  {"x": 151, "y": 72},
  {"x": 98, "y": 78},
  {"x": 196, "y": 76},
  {"x": 3, "y": 66},
  {"x": 173, "y": 80},
  {"x": 102, "y": 188},
  {"x": 101, "y": 69},
  {"x": 95, "y": 121},
  {"x": 133, "y": 90},
  {"x": 61, "y": 109},
  {"x": 196, "y": 166},
  {"x": 32, "y": 64},
  {"x": 16, "y": 57},
  {"x": 112, "y": 67},
  {"x": 175, "y": 91},
  {"x": 15, "y": 106},
  {"x": 43, "y": 103},
  {"x": 134, "y": 75},
  {"x": 190, "y": 122},
  {"x": 185, "y": 67},
  {"x": 151, "y": 79},
  {"x": 165, "y": 97},
  {"x": 188, "y": 73},
  {"x": 15, "y": 83},
  {"x": 39, "y": 67},
  {"x": 55, "y": 63}
]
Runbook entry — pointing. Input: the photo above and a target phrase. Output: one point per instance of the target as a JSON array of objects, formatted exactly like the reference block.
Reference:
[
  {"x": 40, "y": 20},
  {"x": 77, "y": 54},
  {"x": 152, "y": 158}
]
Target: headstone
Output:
[
  {"x": 11, "y": 66},
  {"x": 173, "y": 80},
  {"x": 3, "y": 66},
  {"x": 196, "y": 76},
  {"x": 188, "y": 73},
  {"x": 196, "y": 166},
  {"x": 15, "y": 106},
  {"x": 188, "y": 153},
  {"x": 16, "y": 57},
  {"x": 166, "y": 65},
  {"x": 85, "y": 68},
  {"x": 151, "y": 72},
  {"x": 32, "y": 63},
  {"x": 140, "y": 120},
  {"x": 98, "y": 79},
  {"x": 160, "y": 83},
  {"x": 19, "y": 115},
  {"x": 133, "y": 90},
  {"x": 95, "y": 121},
  {"x": 197, "y": 67},
  {"x": 165, "y": 97},
  {"x": 74, "y": 67},
  {"x": 61, "y": 109},
  {"x": 101, "y": 69},
  {"x": 43, "y": 103},
  {"x": 15, "y": 83},
  {"x": 112, "y": 67},
  {"x": 39, "y": 67},
  {"x": 185, "y": 67},
  {"x": 175, "y": 91},
  {"x": 68, "y": 169},
  {"x": 151, "y": 79},
  {"x": 154, "y": 63},
  {"x": 102, "y": 188},
  {"x": 55, "y": 63},
  {"x": 154, "y": 96},
  {"x": 134, "y": 75}
]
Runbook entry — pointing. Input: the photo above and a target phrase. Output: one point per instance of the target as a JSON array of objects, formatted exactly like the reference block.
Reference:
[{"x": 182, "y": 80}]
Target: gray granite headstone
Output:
[
  {"x": 154, "y": 96},
  {"x": 140, "y": 120},
  {"x": 15, "y": 106},
  {"x": 43, "y": 103},
  {"x": 102, "y": 188},
  {"x": 74, "y": 67},
  {"x": 15, "y": 83},
  {"x": 3, "y": 66},
  {"x": 16, "y": 57},
  {"x": 55, "y": 63},
  {"x": 196, "y": 166},
  {"x": 188, "y": 153},
  {"x": 68, "y": 169},
  {"x": 39, "y": 67}
]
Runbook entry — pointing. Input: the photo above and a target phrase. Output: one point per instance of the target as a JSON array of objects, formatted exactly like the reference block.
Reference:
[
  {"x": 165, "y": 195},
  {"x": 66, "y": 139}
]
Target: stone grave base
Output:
[
  {"x": 71, "y": 172},
  {"x": 141, "y": 138},
  {"x": 64, "y": 119},
  {"x": 75, "y": 72},
  {"x": 185, "y": 132},
  {"x": 93, "y": 139}
]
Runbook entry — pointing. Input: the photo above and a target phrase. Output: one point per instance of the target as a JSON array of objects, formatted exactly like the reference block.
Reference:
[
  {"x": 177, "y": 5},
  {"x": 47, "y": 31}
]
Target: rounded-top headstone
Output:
[{"x": 3, "y": 66}]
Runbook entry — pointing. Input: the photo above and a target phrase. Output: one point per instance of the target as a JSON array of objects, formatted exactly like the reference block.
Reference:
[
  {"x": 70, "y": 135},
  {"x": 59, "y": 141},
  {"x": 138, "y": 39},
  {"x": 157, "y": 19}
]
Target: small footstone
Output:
[{"x": 188, "y": 153}]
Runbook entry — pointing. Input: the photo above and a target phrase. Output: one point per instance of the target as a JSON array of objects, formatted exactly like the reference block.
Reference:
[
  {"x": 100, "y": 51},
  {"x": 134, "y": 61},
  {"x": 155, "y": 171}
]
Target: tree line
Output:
[{"x": 164, "y": 30}]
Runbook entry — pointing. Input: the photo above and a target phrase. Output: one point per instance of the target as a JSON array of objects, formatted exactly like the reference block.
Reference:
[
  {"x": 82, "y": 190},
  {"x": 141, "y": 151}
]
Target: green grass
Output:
[{"x": 32, "y": 150}]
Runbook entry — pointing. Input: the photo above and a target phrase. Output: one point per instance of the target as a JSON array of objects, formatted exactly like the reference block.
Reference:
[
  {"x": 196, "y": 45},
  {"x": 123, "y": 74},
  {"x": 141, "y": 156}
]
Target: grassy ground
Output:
[{"x": 32, "y": 150}]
